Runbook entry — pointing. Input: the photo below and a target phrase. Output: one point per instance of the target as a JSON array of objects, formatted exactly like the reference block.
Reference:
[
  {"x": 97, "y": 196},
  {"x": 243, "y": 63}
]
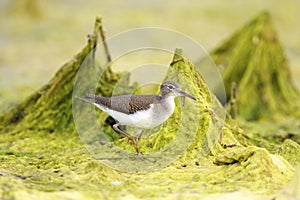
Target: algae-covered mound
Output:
[
  {"x": 228, "y": 149},
  {"x": 214, "y": 157},
  {"x": 254, "y": 59},
  {"x": 50, "y": 108}
]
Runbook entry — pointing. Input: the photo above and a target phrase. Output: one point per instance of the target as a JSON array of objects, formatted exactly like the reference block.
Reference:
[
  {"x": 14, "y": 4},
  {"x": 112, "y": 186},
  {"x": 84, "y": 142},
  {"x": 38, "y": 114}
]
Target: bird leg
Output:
[
  {"x": 124, "y": 134},
  {"x": 138, "y": 135}
]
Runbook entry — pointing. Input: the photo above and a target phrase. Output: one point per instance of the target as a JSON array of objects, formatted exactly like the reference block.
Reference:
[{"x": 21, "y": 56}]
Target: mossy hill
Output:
[
  {"x": 254, "y": 59},
  {"x": 42, "y": 156},
  {"x": 50, "y": 108}
]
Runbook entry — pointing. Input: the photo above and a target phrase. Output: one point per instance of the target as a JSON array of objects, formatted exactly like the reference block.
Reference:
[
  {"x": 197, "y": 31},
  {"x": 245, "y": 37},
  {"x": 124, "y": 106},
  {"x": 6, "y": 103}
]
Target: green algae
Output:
[
  {"x": 254, "y": 59},
  {"x": 290, "y": 150},
  {"x": 270, "y": 134},
  {"x": 49, "y": 160},
  {"x": 72, "y": 168},
  {"x": 52, "y": 103}
]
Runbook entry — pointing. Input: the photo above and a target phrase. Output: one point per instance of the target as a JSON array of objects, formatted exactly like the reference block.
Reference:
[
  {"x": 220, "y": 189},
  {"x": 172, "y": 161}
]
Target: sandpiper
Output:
[{"x": 139, "y": 111}]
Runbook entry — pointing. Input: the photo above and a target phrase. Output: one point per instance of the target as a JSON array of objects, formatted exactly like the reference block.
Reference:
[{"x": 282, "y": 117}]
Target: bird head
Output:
[{"x": 172, "y": 88}]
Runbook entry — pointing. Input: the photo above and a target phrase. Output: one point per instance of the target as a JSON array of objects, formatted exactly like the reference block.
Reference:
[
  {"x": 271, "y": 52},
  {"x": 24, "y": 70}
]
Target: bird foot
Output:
[
  {"x": 131, "y": 140},
  {"x": 134, "y": 143}
]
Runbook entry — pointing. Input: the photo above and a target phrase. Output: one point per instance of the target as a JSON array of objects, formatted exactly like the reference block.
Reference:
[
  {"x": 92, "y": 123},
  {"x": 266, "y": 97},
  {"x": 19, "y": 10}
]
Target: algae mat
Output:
[
  {"x": 253, "y": 58},
  {"x": 42, "y": 156}
]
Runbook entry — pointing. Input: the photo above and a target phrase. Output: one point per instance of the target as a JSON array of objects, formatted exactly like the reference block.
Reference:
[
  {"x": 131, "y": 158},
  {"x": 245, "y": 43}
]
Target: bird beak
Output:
[{"x": 184, "y": 94}]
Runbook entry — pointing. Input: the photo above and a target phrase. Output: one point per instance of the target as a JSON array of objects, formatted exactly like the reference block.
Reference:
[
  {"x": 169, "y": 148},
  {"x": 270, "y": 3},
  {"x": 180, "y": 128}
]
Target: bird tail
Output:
[{"x": 91, "y": 98}]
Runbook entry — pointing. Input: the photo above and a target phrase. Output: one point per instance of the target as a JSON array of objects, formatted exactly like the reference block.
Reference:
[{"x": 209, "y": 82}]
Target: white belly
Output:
[{"x": 146, "y": 119}]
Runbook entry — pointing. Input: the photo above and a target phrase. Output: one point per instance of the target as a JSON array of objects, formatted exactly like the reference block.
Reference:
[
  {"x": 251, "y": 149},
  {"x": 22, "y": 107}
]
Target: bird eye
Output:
[{"x": 171, "y": 87}]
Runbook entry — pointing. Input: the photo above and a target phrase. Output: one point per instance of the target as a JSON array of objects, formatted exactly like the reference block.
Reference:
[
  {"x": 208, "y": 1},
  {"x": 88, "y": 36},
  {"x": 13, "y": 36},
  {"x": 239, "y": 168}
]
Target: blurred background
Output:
[{"x": 37, "y": 36}]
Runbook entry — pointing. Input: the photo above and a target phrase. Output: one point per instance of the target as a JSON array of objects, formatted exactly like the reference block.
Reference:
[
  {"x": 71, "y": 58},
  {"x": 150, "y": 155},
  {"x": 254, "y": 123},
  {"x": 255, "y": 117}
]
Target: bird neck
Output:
[
  {"x": 168, "y": 103},
  {"x": 168, "y": 96}
]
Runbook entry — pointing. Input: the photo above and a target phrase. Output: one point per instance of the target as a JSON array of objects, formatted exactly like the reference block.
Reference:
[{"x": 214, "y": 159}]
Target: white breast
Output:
[
  {"x": 145, "y": 119},
  {"x": 161, "y": 112}
]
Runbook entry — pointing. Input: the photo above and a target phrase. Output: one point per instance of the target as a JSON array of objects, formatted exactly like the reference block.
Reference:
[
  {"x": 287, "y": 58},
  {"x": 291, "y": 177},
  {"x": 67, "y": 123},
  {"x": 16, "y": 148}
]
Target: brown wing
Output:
[
  {"x": 130, "y": 104},
  {"x": 127, "y": 104}
]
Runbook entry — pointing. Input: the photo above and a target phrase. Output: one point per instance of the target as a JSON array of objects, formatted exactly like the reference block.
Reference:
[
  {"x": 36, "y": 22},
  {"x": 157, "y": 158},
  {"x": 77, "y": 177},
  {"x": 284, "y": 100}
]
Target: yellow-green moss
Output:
[
  {"x": 42, "y": 156},
  {"x": 254, "y": 59},
  {"x": 290, "y": 150}
]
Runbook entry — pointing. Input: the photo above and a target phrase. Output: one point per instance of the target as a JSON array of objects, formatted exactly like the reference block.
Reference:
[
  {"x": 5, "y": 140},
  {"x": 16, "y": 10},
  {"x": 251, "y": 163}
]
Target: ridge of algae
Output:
[
  {"x": 49, "y": 108},
  {"x": 254, "y": 59},
  {"x": 37, "y": 163}
]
